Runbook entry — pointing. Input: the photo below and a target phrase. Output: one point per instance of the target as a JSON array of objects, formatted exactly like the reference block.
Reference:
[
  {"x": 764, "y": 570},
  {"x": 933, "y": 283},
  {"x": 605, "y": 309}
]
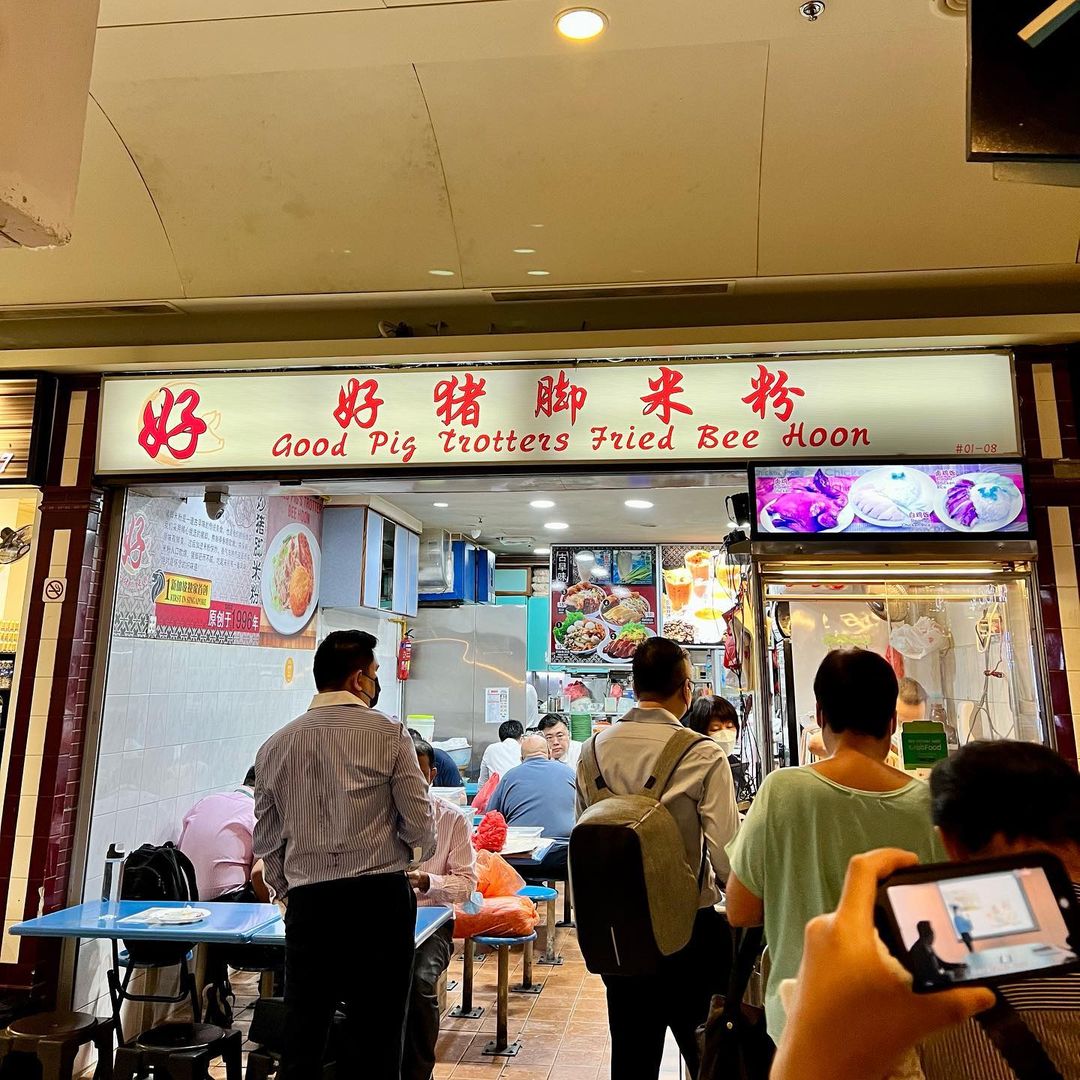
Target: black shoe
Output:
[{"x": 217, "y": 1007}]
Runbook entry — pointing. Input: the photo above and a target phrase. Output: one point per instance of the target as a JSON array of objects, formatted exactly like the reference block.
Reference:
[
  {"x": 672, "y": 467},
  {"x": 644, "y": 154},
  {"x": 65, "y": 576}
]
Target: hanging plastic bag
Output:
[
  {"x": 496, "y": 877},
  {"x": 483, "y": 796}
]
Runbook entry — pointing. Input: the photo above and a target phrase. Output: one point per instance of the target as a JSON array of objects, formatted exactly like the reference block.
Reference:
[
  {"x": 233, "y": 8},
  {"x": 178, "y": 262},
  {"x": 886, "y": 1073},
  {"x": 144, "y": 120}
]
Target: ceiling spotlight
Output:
[
  {"x": 541, "y": 504},
  {"x": 440, "y": 506},
  {"x": 441, "y": 273},
  {"x": 539, "y": 273},
  {"x": 638, "y": 504},
  {"x": 524, "y": 251},
  {"x": 556, "y": 526},
  {"x": 581, "y": 24},
  {"x": 541, "y": 551}
]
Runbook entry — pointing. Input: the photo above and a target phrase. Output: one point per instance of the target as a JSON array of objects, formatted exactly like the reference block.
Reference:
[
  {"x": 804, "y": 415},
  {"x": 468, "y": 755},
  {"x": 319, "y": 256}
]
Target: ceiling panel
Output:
[
  {"x": 863, "y": 165},
  {"x": 118, "y": 249},
  {"x": 639, "y": 165},
  {"x": 322, "y": 181},
  {"x": 143, "y": 12}
]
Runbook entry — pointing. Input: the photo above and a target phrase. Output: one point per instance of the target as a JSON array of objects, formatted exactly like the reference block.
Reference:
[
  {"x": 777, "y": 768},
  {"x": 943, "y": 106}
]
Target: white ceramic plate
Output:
[
  {"x": 285, "y": 622},
  {"x": 602, "y": 653},
  {"x": 843, "y": 520},
  {"x": 927, "y": 495},
  {"x": 980, "y": 526}
]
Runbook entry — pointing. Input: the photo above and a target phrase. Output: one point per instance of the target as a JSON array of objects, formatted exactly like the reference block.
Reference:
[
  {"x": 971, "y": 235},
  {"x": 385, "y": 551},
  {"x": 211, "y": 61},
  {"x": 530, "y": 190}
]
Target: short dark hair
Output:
[
  {"x": 911, "y": 692},
  {"x": 856, "y": 691},
  {"x": 510, "y": 729},
  {"x": 553, "y": 719},
  {"x": 424, "y": 749},
  {"x": 658, "y": 668},
  {"x": 341, "y": 655},
  {"x": 1022, "y": 791},
  {"x": 249, "y": 777},
  {"x": 706, "y": 709}
]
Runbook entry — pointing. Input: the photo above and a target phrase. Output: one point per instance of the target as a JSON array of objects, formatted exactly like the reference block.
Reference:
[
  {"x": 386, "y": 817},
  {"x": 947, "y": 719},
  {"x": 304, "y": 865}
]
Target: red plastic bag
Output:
[
  {"x": 483, "y": 796},
  {"x": 501, "y": 916},
  {"x": 496, "y": 877}
]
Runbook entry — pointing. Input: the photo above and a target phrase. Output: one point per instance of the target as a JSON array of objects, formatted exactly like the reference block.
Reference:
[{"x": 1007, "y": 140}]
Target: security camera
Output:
[{"x": 215, "y": 501}]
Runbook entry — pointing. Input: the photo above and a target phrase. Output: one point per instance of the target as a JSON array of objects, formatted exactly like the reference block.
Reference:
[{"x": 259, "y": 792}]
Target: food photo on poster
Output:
[
  {"x": 701, "y": 593},
  {"x": 603, "y": 603},
  {"x": 898, "y": 499}
]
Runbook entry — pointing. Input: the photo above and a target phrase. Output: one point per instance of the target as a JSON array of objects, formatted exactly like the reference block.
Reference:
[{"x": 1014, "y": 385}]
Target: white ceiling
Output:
[{"x": 239, "y": 148}]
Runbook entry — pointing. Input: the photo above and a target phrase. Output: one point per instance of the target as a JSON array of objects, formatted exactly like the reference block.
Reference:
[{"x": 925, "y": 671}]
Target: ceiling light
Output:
[
  {"x": 541, "y": 504},
  {"x": 581, "y": 24},
  {"x": 440, "y": 506},
  {"x": 638, "y": 504},
  {"x": 539, "y": 273},
  {"x": 441, "y": 273},
  {"x": 556, "y": 526},
  {"x": 524, "y": 251},
  {"x": 536, "y": 226},
  {"x": 541, "y": 551}
]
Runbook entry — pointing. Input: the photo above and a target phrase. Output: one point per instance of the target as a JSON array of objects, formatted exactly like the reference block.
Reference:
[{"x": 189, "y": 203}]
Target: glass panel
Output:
[{"x": 386, "y": 588}]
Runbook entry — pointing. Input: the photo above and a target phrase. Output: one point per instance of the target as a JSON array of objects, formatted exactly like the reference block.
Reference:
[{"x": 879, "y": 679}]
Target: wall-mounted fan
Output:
[{"x": 15, "y": 544}]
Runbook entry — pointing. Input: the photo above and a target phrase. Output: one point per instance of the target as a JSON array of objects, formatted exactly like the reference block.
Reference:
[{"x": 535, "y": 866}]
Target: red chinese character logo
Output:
[
  {"x": 133, "y": 549},
  {"x": 559, "y": 395},
  {"x": 768, "y": 386},
  {"x": 160, "y": 433},
  {"x": 662, "y": 400},
  {"x": 354, "y": 409},
  {"x": 459, "y": 400}
]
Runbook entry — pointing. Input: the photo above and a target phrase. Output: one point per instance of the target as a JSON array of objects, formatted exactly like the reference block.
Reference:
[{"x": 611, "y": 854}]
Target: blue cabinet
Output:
[{"x": 538, "y": 633}]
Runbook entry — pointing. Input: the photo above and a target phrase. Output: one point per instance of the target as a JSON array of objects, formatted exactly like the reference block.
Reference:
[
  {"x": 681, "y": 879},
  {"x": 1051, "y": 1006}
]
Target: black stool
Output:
[
  {"x": 180, "y": 1052},
  {"x": 55, "y": 1038}
]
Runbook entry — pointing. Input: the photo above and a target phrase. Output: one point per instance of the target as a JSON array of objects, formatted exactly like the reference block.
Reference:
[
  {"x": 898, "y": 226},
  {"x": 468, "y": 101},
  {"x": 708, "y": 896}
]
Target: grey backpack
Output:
[{"x": 635, "y": 895}]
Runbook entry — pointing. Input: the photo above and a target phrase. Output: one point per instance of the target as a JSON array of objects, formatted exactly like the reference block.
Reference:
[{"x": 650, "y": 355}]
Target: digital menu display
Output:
[{"x": 902, "y": 499}]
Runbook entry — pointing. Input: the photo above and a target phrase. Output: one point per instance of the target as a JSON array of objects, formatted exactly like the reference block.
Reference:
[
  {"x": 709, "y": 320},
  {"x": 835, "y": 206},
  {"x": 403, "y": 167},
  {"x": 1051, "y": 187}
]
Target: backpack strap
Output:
[
  {"x": 1016, "y": 1042},
  {"x": 596, "y": 787},
  {"x": 678, "y": 746}
]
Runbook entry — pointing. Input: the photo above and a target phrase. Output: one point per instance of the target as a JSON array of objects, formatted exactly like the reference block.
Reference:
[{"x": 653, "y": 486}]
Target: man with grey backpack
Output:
[{"x": 656, "y": 808}]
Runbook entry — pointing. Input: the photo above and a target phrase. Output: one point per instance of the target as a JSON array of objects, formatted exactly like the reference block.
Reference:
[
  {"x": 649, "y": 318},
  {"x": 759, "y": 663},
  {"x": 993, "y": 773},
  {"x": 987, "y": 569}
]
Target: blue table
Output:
[
  {"x": 428, "y": 920},
  {"x": 471, "y": 791},
  {"x": 228, "y": 924}
]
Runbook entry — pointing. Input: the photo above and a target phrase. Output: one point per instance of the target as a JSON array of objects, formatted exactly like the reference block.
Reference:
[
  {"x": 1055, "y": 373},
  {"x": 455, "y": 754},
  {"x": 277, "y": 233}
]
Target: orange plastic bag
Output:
[
  {"x": 501, "y": 916},
  {"x": 496, "y": 877}
]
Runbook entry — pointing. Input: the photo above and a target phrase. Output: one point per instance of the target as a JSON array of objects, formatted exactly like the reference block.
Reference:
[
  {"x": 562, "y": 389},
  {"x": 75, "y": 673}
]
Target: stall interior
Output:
[{"x": 17, "y": 513}]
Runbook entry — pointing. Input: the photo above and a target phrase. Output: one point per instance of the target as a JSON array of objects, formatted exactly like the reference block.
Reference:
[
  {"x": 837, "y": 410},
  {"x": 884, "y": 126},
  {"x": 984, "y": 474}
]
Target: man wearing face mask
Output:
[
  {"x": 342, "y": 812},
  {"x": 701, "y": 798}
]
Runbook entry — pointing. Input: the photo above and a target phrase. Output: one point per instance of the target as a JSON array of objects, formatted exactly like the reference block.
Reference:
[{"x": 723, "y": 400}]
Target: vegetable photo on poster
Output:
[{"x": 603, "y": 603}]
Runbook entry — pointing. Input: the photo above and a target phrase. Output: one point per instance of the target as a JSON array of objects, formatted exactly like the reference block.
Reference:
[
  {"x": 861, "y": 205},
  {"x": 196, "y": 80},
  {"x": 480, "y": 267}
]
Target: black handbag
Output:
[{"x": 734, "y": 1042}]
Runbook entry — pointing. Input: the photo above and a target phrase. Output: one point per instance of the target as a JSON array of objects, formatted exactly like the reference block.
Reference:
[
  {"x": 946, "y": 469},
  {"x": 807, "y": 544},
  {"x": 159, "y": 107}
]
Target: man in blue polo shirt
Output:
[{"x": 540, "y": 792}]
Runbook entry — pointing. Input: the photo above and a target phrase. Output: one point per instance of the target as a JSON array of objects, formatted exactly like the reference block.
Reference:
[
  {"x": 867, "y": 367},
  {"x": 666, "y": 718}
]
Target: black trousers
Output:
[
  {"x": 348, "y": 942},
  {"x": 422, "y": 1028},
  {"x": 641, "y": 1008}
]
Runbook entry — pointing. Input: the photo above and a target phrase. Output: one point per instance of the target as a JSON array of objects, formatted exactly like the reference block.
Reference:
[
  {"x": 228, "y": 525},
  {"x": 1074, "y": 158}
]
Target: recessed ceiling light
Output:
[
  {"x": 556, "y": 526},
  {"x": 440, "y": 506},
  {"x": 541, "y": 504},
  {"x": 638, "y": 504},
  {"x": 524, "y": 251},
  {"x": 539, "y": 273},
  {"x": 541, "y": 551},
  {"x": 536, "y": 226},
  {"x": 581, "y": 24},
  {"x": 441, "y": 273}
]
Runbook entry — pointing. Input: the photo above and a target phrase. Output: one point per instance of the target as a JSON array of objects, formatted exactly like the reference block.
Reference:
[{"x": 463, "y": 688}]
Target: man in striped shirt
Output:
[
  {"x": 447, "y": 878},
  {"x": 1006, "y": 798},
  {"x": 342, "y": 813}
]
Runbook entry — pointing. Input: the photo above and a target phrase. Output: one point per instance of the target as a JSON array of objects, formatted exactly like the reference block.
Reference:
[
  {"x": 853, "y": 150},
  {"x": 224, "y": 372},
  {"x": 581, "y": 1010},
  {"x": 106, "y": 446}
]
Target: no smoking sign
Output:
[{"x": 54, "y": 590}]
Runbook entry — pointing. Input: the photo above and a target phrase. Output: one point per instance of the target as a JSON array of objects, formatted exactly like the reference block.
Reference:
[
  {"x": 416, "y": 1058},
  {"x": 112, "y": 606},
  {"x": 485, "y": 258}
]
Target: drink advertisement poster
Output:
[
  {"x": 249, "y": 578},
  {"x": 603, "y": 604},
  {"x": 700, "y": 593}
]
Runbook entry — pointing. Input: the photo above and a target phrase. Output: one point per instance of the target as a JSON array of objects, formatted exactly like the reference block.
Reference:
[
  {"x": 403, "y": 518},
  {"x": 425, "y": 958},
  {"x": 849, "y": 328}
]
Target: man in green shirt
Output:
[{"x": 789, "y": 859}]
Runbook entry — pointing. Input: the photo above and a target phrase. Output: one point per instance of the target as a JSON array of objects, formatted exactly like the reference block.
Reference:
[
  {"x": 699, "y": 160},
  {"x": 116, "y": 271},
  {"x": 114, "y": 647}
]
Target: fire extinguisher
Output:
[{"x": 404, "y": 656}]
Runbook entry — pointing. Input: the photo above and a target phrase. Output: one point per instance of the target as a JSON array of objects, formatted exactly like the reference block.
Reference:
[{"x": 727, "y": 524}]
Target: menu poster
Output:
[
  {"x": 901, "y": 499},
  {"x": 249, "y": 578},
  {"x": 700, "y": 590},
  {"x": 603, "y": 604}
]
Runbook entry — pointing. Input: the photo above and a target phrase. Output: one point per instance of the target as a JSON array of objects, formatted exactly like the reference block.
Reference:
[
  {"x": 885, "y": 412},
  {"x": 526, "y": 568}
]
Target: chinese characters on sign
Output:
[{"x": 584, "y": 413}]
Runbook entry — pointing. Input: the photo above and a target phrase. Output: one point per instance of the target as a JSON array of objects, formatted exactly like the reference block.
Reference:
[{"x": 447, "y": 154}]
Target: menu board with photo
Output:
[
  {"x": 603, "y": 604},
  {"x": 249, "y": 578},
  {"x": 951, "y": 500},
  {"x": 700, "y": 593}
]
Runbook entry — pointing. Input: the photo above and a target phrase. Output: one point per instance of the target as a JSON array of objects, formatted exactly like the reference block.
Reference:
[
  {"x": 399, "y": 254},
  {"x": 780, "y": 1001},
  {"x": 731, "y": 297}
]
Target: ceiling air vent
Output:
[
  {"x": 87, "y": 311},
  {"x": 615, "y": 292}
]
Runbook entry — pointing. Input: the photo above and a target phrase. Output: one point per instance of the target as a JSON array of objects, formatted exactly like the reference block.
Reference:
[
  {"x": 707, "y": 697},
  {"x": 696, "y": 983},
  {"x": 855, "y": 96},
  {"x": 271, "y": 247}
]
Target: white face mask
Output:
[{"x": 725, "y": 740}]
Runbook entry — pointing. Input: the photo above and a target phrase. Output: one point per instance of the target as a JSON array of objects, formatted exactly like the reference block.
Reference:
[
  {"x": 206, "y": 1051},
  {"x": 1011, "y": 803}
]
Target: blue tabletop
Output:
[
  {"x": 227, "y": 924},
  {"x": 428, "y": 920}
]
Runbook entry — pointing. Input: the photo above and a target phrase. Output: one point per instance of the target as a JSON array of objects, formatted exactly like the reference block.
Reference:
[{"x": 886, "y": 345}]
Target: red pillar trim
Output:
[{"x": 69, "y": 504}]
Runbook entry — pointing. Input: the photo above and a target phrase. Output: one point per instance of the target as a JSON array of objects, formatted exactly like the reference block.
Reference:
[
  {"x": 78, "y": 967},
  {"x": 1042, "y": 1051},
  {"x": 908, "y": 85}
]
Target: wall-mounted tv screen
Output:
[{"x": 889, "y": 500}]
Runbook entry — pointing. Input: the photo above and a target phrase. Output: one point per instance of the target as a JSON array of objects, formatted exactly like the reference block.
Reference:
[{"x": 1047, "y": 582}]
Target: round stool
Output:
[
  {"x": 180, "y": 1037},
  {"x": 181, "y": 1051},
  {"x": 55, "y": 1038}
]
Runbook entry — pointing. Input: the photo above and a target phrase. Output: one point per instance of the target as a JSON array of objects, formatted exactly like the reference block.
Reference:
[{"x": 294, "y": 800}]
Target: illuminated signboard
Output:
[{"x": 898, "y": 499}]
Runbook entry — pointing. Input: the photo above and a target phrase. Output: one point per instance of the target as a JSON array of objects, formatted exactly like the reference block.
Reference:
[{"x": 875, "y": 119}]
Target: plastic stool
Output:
[
  {"x": 181, "y": 1052},
  {"x": 54, "y": 1038},
  {"x": 500, "y": 1045},
  {"x": 542, "y": 894}
]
